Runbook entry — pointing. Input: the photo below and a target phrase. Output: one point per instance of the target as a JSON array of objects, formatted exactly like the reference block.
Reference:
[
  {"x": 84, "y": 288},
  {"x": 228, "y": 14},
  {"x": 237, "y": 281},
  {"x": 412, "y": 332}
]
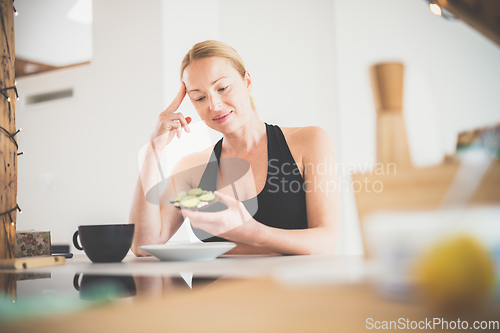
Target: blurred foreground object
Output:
[
  {"x": 451, "y": 271},
  {"x": 456, "y": 272},
  {"x": 445, "y": 245}
]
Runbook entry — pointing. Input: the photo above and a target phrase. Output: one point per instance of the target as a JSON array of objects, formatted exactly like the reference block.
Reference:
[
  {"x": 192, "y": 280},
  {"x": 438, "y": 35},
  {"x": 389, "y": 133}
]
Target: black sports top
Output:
[{"x": 282, "y": 202}]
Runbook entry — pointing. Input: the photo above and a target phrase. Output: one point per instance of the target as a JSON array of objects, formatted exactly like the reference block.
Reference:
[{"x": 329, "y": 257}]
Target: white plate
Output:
[{"x": 188, "y": 251}]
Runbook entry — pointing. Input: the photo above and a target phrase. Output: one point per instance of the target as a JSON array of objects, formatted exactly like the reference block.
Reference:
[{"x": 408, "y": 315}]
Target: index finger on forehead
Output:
[{"x": 177, "y": 100}]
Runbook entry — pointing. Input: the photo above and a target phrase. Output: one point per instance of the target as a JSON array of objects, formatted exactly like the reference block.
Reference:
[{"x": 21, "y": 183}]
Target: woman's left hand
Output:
[{"x": 230, "y": 223}]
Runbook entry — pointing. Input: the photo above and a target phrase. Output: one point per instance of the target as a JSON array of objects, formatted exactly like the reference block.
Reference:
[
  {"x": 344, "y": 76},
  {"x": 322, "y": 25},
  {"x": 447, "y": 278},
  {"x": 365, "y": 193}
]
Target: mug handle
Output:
[
  {"x": 75, "y": 281},
  {"x": 75, "y": 241}
]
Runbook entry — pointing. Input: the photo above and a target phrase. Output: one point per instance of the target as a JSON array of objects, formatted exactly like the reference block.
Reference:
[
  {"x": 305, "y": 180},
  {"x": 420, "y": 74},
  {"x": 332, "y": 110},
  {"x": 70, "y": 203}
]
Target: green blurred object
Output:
[
  {"x": 50, "y": 305},
  {"x": 103, "y": 292}
]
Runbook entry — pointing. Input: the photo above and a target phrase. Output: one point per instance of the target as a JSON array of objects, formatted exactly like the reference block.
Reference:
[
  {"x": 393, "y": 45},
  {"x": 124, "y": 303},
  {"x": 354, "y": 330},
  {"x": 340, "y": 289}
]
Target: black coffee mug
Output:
[{"x": 105, "y": 243}]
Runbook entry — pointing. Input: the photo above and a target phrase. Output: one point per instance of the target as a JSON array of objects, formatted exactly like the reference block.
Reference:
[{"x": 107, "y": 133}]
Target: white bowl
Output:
[{"x": 188, "y": 251}]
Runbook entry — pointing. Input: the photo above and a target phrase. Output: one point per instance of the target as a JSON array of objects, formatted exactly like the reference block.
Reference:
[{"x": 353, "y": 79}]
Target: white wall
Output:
[{"x": 80, "y": 165}]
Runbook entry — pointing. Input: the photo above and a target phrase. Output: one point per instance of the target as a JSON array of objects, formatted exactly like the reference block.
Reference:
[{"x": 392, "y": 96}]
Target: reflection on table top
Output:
[
  {"x": 242, "y": 266},
  {"x": 36, "y": 280},
  {"x": 231, "y": 293}
]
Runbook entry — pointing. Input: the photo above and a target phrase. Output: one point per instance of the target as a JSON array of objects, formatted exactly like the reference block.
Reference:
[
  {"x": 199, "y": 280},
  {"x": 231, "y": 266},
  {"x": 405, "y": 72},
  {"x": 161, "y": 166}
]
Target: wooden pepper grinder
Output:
[{"x": 387, "y": 85}]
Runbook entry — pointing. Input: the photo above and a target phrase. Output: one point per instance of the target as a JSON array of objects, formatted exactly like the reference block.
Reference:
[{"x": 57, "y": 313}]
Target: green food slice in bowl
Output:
[
  {"x": 195, "y": 191},
  {"x": 209, "y": 196},
  {"x": 189, "y": 201},
  {"x": 179, "y": 198}
]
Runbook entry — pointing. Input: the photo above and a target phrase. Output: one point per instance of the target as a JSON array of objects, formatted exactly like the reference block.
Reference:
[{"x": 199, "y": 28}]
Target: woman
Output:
[{"x": 298, "y": 208}]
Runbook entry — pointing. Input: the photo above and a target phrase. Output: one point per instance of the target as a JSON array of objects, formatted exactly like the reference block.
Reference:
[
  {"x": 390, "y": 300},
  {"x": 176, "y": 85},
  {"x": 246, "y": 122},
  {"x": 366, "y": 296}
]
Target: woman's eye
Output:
[
  {"x": 222, "y": 89},
  {"x": 200, "y": 99}
]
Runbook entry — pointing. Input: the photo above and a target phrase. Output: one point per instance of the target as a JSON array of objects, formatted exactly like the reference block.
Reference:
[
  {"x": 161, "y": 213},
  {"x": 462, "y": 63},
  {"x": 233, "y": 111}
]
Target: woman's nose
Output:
[{"x": 215, "y": 103}]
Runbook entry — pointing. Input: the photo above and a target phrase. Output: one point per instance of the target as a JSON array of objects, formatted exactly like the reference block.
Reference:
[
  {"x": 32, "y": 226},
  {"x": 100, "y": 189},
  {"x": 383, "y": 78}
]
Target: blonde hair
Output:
[{"x": 215, "y": 48}]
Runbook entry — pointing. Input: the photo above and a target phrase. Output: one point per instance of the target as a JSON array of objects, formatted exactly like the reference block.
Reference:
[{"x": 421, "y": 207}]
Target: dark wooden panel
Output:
[
  {"x": 8, "y": 150},
  {"x": 482, "y": 15}
]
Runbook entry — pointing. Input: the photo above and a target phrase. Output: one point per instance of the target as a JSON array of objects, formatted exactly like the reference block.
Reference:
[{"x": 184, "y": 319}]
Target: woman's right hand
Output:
[{"x": 170, "y": 122}]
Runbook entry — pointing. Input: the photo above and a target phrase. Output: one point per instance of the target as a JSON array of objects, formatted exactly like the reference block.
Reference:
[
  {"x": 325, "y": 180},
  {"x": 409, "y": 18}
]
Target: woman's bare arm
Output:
[{"x": 154, "y": 225}]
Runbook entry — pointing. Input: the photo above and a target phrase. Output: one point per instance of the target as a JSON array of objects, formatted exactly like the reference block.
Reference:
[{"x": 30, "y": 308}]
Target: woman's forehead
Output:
[{"x": 207, "y": 70}]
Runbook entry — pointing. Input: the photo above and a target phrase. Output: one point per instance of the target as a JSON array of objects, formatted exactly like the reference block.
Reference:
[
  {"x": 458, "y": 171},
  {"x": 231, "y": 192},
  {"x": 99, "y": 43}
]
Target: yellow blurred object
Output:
[{"x": 456, "y": 272}]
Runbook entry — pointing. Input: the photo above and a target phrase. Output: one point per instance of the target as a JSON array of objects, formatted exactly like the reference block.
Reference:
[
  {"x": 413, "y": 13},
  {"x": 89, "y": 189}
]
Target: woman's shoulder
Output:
[{"x": 308, "y": 144}]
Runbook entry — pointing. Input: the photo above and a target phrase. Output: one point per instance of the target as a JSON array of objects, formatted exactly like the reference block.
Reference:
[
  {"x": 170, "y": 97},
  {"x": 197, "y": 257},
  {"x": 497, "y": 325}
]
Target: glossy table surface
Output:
[{"x": 228, "y": 294}]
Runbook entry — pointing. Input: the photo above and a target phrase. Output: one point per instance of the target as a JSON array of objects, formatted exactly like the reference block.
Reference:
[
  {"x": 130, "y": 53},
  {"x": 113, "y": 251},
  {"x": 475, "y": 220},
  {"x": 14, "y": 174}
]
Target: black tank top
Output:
[{"x": 282, "y": 202}]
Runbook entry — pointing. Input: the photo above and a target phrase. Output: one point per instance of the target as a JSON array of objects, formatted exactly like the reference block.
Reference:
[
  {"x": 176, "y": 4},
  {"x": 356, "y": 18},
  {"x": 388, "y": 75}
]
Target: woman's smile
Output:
[{"x": 222, "y": 118}]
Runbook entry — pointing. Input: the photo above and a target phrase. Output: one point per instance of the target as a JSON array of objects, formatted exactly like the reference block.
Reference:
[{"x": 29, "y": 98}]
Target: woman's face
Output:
[{"x": 218, "y": 92}]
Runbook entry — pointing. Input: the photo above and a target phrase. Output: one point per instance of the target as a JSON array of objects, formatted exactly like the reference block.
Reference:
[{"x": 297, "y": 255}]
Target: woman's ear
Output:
[{"x": 248, "y": 81}]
